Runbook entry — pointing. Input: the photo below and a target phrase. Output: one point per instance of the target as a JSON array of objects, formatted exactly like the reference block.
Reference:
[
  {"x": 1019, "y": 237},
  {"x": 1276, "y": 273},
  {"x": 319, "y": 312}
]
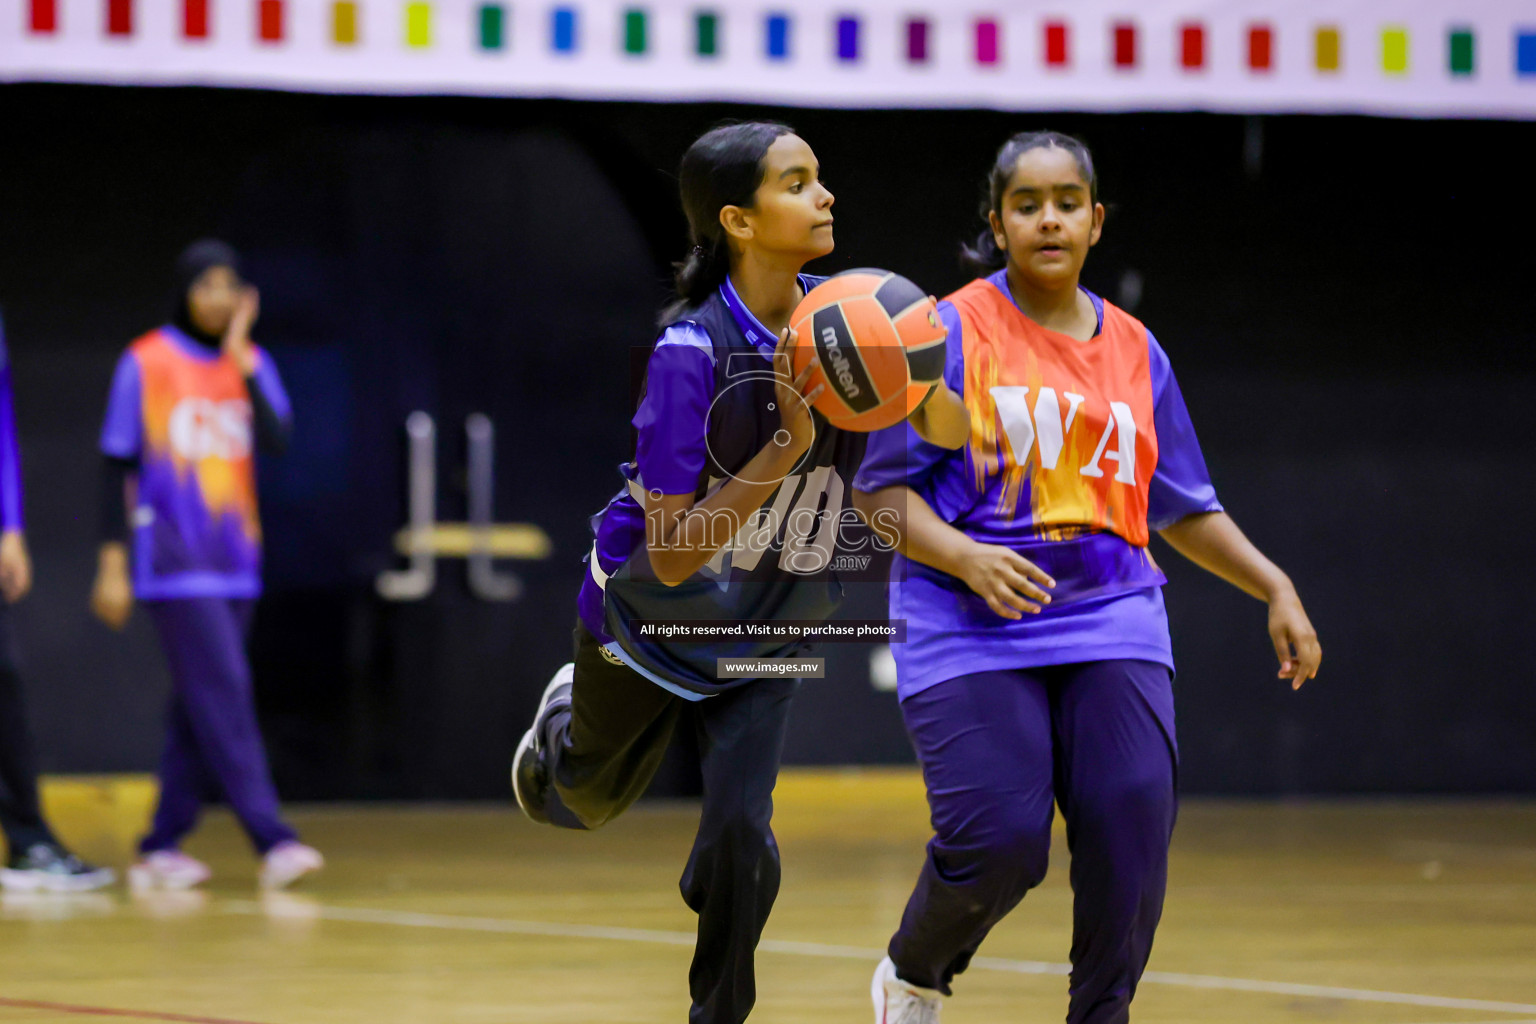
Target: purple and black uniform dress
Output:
[
  {"x": 1078, "y": 449},
  {"x": 708, "y": 408},
  {"x": 182, "y": 422},
  {"x": 21, "y": 817}
]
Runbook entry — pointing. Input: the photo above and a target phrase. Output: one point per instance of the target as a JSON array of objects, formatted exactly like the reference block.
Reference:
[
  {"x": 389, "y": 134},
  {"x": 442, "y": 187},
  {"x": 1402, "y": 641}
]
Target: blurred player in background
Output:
[
  {"x": 723, "y": 427},
  {"x": 35, "y": 859},
  {"x": 188, "y": 400},
  {"x": 1038, "y": 666}
]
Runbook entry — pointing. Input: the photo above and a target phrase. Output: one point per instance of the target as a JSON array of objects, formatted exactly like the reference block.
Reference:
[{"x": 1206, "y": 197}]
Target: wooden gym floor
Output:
[{"x": 1352, "y": 912}]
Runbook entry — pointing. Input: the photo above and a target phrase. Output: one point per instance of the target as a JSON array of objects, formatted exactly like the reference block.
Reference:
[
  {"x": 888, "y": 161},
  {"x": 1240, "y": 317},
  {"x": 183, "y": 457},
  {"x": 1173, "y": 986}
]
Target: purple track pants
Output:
[
  {"x": 997, "y": 749},
  {"x": 213, "y": 747}
]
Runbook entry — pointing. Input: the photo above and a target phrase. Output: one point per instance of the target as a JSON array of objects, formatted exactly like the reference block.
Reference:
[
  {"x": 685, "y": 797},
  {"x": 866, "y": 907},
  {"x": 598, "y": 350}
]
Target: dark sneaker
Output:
[
  {"x": 44, "y": 867},
  {"x": 530, "y": 777}
]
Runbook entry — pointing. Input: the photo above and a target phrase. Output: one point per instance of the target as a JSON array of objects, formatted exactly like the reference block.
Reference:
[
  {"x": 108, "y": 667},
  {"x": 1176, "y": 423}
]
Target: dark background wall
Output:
[{"x": 1348, "y": 303}]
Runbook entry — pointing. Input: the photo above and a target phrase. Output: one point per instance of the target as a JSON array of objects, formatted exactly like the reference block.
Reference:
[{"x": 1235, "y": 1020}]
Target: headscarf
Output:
[{"x": 194, "y": 261}]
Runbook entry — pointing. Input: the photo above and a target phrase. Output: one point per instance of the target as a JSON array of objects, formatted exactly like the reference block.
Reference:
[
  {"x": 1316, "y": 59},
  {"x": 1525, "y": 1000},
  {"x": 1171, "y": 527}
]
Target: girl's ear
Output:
[
  {"x": 998, "y": 234},
  {"x": 1098, "y": 224},
  {"x": 736, "y": 222}
]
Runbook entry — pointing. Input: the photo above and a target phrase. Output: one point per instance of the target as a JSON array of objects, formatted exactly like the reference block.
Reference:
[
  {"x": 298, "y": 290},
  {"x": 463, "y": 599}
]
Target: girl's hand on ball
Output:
[
  {"x": 1010, "y": 583},
  {"x": 794, "y": 394}
]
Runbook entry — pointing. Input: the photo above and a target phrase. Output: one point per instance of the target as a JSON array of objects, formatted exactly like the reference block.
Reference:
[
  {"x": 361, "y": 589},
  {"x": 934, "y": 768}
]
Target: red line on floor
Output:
[{"x": 107, "y": 1011}]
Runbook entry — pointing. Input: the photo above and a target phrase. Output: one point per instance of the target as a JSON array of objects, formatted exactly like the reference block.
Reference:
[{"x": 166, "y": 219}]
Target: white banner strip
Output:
[{"x": 1391, "y": 57}]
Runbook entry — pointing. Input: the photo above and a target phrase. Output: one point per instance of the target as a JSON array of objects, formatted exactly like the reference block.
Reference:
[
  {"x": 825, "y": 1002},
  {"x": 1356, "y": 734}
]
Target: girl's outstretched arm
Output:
[
  {"x": 1213, "y": 542},
  {"x": 121, "y": 445},
  {"x": 15, "y": 562},
  {"x": 942, "y": 418},
  {"x": 112, "y": 593}
]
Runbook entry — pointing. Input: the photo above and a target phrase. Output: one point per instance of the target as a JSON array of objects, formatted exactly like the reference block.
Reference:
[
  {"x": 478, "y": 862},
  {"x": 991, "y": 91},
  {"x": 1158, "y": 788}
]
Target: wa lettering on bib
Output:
[{"x": 1067, "y": 425}]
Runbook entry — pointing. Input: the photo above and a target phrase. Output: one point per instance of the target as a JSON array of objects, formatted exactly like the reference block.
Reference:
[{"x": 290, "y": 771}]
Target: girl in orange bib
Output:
[{"x": 1038, "y": 669}]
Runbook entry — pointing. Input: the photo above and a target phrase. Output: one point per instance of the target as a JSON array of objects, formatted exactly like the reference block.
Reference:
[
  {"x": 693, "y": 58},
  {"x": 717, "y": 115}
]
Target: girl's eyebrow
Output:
[
  {"x": 799, "y": 170},
  {"x": 1067, "y": 186}
]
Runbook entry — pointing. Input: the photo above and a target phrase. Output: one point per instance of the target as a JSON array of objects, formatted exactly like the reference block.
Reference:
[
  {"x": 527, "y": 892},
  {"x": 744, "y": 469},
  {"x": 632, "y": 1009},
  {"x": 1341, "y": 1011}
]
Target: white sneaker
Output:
[
  {"x": 288, "y": 862},
  {"x": 168, "y": 869},
  {"x": 899, "y": 1002}
]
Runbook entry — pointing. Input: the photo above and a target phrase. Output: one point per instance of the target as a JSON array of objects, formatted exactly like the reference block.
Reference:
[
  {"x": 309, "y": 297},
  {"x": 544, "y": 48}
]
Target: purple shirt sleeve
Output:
[
  {"x": 1181, "y": 485},
  {"x": 673, "y": 416},
  {"x": 897, "y": 455},
  {"x": 271, "y": 386},
  {"x": 10, "y": 452},
  {"x": 122, "y": 434}
]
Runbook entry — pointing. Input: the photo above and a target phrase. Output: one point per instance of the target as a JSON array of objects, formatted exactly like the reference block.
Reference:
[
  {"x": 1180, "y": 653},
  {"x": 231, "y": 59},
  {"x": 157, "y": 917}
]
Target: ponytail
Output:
[
  {"x": 701, "y": 272},
  {"x": 984, "y": 257}
]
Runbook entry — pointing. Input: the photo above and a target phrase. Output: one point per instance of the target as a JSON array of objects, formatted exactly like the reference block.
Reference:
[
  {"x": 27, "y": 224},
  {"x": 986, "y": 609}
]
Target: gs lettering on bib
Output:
[
  {"x": 1067, "y": 425},
  {"x": 201, "y": 429},
  {"x": 197, "y": 416}
]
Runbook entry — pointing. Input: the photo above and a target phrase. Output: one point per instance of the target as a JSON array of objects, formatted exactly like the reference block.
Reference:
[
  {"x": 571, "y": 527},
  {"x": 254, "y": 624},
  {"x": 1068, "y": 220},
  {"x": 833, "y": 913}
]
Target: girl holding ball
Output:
[{"x": 725, "y": 435}]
